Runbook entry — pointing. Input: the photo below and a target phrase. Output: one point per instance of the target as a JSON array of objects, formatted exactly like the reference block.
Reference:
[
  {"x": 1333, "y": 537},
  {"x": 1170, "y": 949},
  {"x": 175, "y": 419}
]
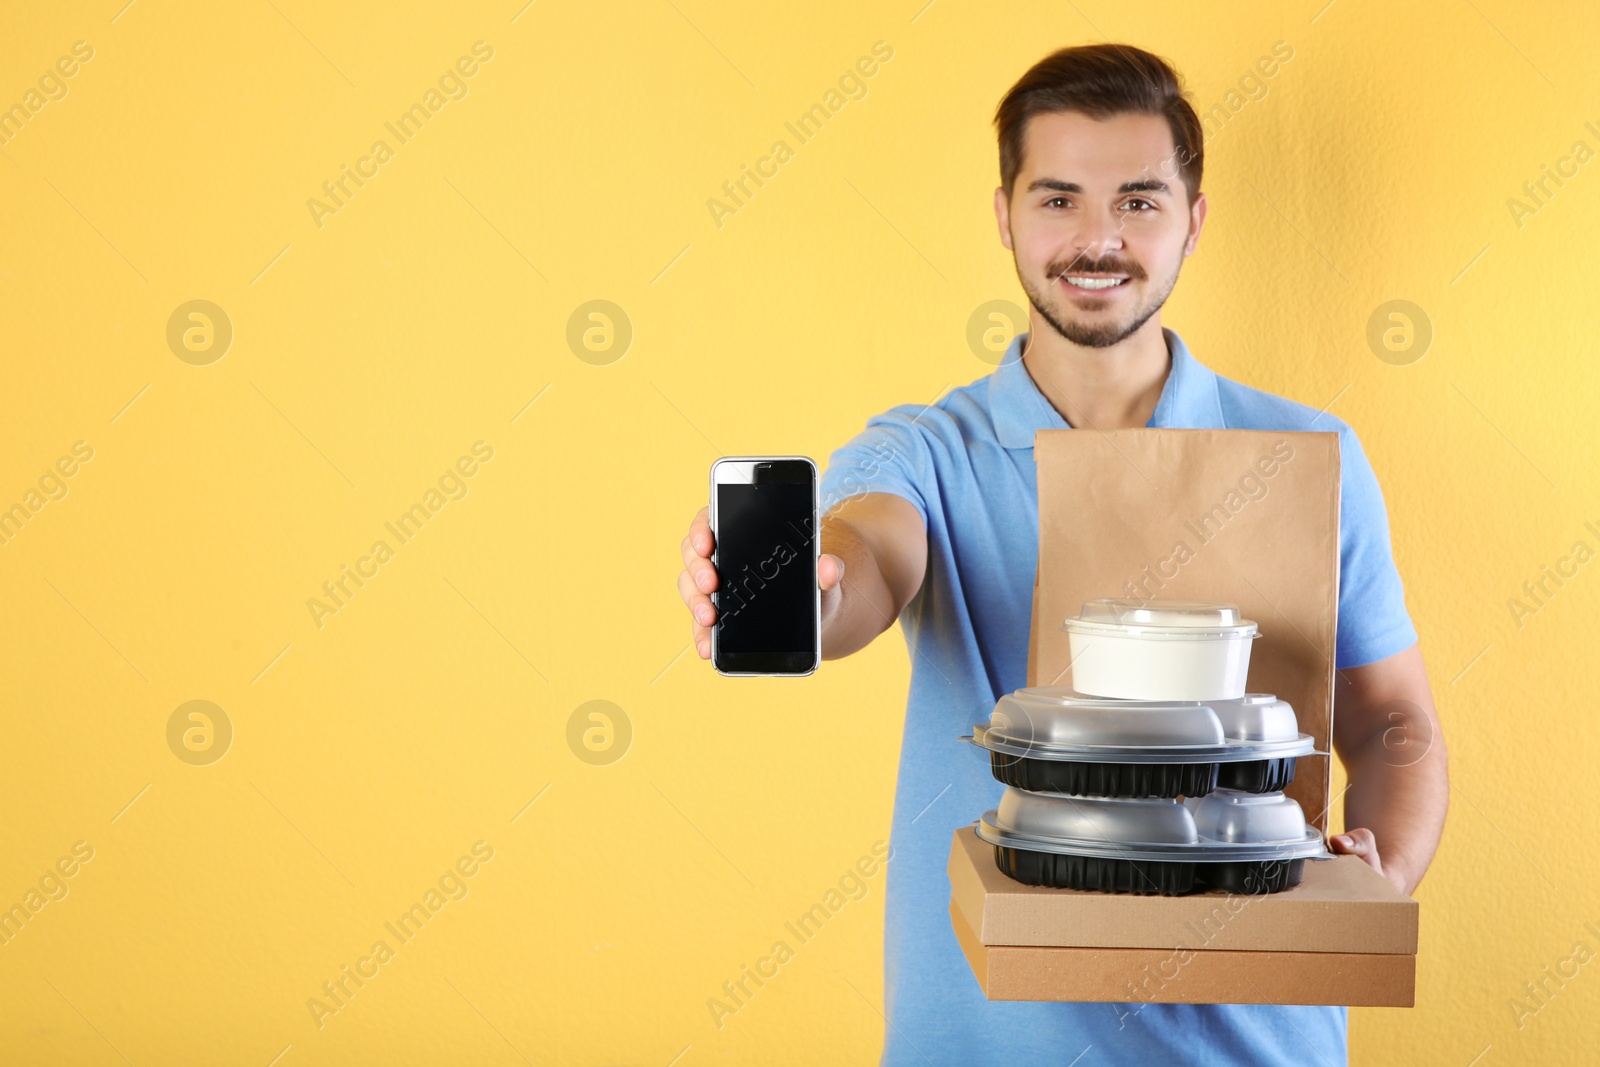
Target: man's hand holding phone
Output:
[{"x": 698, "y": 580}]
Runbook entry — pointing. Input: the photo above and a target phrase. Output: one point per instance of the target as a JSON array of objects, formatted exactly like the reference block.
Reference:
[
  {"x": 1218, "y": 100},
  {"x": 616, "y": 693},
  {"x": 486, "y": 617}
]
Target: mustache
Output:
[{"x": 1099, "y": 266}]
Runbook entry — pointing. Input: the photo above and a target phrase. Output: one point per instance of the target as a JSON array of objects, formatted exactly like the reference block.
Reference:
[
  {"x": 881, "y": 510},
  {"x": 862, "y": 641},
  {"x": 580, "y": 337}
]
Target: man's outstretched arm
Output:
[{"x": 884, "y": 544}]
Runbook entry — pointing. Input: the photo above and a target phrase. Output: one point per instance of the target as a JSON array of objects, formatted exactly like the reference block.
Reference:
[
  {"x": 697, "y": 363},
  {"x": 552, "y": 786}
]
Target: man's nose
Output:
[{"x": 1097, "y": 235}]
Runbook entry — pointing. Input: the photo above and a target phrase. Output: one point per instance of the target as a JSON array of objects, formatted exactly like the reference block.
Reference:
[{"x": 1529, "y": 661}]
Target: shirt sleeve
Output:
[
  {"x": 1373, "y": 621},
  {"x": 890, "y": 456}
]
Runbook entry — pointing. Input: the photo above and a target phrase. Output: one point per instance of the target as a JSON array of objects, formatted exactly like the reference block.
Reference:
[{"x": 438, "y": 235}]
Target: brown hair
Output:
[{"x": 1101, "y": 80}]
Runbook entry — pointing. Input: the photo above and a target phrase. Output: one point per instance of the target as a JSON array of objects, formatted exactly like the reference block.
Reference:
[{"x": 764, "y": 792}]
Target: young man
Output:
[{"x": 932, "y": 517}]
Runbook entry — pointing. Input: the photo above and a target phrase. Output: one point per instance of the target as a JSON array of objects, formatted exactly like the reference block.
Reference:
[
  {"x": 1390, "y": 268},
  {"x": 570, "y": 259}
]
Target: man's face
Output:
[{"x": 1098, "y": 222}]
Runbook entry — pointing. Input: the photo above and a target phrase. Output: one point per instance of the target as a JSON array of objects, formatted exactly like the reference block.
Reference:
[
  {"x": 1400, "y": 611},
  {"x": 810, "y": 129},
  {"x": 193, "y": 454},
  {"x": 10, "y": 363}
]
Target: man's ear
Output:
[
  {"x": 1002, "y": 216},
  {"x": 1197, "y": 218}
]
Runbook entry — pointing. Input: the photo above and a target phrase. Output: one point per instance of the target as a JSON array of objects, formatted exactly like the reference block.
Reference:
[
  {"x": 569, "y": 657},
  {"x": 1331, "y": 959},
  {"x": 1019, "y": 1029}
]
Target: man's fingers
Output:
[
  {"x": 699, "y": 605},
  {"x": 698, "y": 578},
  {"x": 701, "y": 574},
  {"x": 1358, "y": 842},
  {"x": 697, "y": 544},
  {"x": 699, "y": 608},
  {"x": 697, "y": 554},
  {"x": 830, "y": 571},
  {"x": 693, "y": 558},
  {"x": 700, "y": 536}
]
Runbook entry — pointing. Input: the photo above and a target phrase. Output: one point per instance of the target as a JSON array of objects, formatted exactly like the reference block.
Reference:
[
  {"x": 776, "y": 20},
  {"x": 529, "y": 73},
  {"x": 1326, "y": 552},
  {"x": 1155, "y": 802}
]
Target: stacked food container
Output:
[{"x": 1156, "y": 772}]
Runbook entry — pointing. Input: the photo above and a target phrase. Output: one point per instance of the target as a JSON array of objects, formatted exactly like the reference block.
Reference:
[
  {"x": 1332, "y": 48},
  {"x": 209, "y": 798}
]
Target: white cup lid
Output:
[{"x": 1129, "y": 612}]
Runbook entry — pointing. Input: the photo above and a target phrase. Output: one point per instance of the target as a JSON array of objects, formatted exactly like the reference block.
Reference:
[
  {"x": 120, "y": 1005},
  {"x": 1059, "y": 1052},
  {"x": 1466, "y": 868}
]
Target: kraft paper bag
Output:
[{"x": 1246, "y": 517}]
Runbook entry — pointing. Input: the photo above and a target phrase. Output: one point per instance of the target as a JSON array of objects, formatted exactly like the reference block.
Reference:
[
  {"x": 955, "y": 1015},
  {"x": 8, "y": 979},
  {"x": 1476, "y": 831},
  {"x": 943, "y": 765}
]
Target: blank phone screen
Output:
[{"x": 766, "y": 573}]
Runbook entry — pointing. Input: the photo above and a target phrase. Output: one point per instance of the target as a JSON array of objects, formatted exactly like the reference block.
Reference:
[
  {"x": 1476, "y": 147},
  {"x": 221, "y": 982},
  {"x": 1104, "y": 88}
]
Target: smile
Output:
[{"x": 1090, "y": 283}]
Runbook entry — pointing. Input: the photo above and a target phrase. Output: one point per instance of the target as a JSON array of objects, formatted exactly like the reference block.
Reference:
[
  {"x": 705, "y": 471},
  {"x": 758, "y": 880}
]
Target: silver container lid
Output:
[
  {"x": 1247, "y": 818},
  {"x": 1056, "y": 715},
  {"x": 1256, "y": 717},
  {"x": 1136, "y": 829},
  {"x": 1058, "y": 723},
  {"x": 1134, "y": 820}
]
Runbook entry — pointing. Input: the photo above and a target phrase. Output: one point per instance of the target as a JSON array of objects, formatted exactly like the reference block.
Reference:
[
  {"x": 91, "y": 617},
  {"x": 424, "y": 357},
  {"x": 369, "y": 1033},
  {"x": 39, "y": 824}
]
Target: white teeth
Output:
[{"x": 1095, "y": 283}]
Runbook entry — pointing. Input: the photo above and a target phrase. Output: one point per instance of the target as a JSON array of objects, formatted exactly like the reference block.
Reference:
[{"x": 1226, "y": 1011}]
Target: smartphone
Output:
[{"x": 765, "y": 529}]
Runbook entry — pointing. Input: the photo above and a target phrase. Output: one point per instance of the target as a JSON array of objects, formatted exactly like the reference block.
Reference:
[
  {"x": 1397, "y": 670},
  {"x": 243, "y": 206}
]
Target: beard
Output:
[{"x": 1055, "y": 308}]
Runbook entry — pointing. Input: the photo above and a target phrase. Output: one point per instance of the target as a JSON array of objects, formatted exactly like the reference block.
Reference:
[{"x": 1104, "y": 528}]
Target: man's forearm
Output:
[
  {"x": 1387, "y": 733},
  {"x": 866, "y": 605},
  {"x": 1403, "y": 803}
]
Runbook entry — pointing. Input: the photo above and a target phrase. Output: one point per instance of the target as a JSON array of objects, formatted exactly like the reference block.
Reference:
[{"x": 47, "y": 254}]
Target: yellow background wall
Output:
[{"x": 433, "y": 709}]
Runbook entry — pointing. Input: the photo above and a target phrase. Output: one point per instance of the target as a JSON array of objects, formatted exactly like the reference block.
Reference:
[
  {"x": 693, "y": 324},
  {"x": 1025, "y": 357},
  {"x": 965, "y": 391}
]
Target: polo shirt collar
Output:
[{"x": 1188, "y": 397}]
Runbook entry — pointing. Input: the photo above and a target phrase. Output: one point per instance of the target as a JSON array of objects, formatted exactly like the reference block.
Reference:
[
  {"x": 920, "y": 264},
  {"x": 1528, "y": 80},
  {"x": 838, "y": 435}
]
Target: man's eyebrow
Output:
[
  {"x": 1149, "y": 185},
  {"x": 1054, "y": 184}
]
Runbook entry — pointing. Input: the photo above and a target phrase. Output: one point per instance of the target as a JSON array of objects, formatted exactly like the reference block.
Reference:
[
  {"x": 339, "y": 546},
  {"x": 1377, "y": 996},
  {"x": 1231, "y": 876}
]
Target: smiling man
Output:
[{"x": 932, "y": 518}]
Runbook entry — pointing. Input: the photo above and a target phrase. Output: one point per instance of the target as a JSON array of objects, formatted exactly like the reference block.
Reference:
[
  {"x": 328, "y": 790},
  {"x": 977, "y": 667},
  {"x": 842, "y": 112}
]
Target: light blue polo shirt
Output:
[{"x": 966, "y": 462}]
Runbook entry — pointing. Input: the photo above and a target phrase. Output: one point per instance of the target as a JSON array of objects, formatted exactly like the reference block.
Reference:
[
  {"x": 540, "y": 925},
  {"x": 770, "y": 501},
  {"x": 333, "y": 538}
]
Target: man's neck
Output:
[{"x": 1103, "y": 388}]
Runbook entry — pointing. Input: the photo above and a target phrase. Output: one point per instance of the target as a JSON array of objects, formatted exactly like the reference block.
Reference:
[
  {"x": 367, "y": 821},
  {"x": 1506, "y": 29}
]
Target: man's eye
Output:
[
  {"x": 1055, "y": 200},
  {"x": 1147, "y": 205}
]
